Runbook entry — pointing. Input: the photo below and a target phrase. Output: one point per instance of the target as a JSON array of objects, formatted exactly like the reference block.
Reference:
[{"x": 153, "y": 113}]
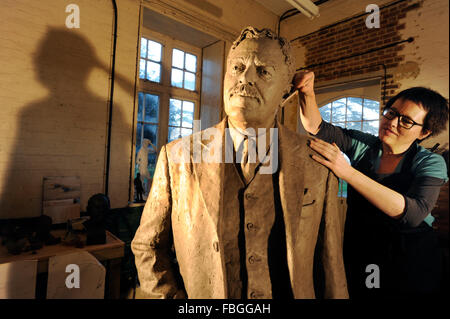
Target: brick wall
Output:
[{"x": 351, "y": 37}]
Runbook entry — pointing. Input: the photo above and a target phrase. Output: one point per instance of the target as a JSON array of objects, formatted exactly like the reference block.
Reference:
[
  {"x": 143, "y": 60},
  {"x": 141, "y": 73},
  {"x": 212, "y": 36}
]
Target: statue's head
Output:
[
  {"x": 260, "y": 69},
  {"x": 145, "y": 143}
]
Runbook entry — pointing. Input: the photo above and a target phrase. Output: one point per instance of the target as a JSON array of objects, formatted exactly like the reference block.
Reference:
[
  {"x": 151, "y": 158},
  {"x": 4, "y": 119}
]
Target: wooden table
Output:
[{"x": 110, "y": 254}]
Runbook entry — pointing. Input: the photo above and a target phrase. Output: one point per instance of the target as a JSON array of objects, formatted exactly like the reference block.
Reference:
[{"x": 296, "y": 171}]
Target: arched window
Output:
[{"x": 354, "y": 113}]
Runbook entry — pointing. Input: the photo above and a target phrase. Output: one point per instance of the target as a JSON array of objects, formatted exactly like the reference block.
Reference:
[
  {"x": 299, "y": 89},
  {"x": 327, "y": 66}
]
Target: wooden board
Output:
[
  {"x": 61, "y": 198},
  {"x": 77, "y": 275},
  {"x": 114, "y": 248},
  {"x": 62, "y": 187},
  {"x": 18, "y": 279},
  {"x": 60, "y": 214}
]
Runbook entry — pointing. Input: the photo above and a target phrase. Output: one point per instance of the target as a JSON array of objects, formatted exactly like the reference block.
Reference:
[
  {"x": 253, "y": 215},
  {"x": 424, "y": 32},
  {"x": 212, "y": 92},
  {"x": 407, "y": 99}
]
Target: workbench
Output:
[{"x": 109, "y": 254}]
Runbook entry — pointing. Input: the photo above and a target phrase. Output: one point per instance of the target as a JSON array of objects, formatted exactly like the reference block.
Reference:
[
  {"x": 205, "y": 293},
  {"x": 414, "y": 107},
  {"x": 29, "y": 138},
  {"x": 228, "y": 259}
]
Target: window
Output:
[
  {"x": 352, "y": 113},
  {"x": 150, "y": 62},
  {"x": 147, "y": 128},
  {"x": 184, "y": 68},
  {"x": 167, "y": 98},
  {"x": 181, "y": 119}
]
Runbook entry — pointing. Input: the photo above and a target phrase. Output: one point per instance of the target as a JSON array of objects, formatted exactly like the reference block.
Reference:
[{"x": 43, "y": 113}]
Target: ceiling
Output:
[{"x": 276, "y": 6}]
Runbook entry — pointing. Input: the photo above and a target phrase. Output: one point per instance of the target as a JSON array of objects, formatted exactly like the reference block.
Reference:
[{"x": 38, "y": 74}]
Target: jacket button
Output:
[
  {"x": 216, "y": 246},
  {"x": 250, "y": 196},
  {"x": 251, "y": 260},
  {"x": 255, "y": 295},
  {"x": 250, "y": 226}
]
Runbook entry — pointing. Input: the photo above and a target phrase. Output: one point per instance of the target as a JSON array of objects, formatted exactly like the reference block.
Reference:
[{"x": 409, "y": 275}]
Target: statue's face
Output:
[{"x": 256, "y": 79}]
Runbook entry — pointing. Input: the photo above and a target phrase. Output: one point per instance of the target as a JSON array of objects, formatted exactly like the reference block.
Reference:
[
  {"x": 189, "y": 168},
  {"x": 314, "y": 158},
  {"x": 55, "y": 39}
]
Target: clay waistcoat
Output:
[{"x": 253, "y": 237}]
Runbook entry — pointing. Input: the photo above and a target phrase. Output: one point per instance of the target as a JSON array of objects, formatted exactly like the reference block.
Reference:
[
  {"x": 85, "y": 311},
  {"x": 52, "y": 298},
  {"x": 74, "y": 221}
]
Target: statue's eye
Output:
[
  {"x": 239, "y": 67},
  {"x": 263, "y": 71}
]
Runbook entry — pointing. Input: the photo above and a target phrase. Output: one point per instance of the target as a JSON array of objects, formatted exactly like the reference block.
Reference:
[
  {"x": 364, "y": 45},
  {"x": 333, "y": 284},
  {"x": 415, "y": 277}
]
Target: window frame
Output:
[
  {"x": 150, "y": 60},
  {"x": 164, "y": 89},
  {"x": 329, "y": 101},
  {"x": 143, "y": 122},
  {"x": 184, "y": 70},
  {"x": 181, "y": 119}
]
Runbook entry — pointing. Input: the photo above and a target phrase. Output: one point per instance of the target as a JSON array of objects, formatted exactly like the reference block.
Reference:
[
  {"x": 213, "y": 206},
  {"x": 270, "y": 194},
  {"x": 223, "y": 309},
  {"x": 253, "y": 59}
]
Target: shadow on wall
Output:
[{"x": 65, "y": 133}]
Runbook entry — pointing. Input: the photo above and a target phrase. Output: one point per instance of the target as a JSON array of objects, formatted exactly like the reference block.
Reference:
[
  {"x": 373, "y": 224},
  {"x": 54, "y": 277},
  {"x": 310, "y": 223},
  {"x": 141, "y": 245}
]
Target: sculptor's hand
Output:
[
  {"x": 304, "y": 83},
  {"x": 333, "y": 158}
]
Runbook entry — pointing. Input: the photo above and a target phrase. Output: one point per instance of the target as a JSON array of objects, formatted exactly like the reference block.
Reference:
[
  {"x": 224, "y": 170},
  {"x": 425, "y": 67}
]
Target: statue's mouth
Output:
[
  {"x": 246, "y": 90},
  {"x": 247, "y": 96}
]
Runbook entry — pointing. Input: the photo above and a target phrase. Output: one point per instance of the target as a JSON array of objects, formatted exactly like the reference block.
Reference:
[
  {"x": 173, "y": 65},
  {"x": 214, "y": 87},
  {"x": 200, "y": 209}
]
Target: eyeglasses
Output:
[{"x": 403, "y": 120}]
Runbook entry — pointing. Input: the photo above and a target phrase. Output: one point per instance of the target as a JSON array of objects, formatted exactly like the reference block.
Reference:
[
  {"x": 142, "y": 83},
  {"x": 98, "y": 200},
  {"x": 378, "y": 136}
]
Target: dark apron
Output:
[{"x": 408, "y": 258}]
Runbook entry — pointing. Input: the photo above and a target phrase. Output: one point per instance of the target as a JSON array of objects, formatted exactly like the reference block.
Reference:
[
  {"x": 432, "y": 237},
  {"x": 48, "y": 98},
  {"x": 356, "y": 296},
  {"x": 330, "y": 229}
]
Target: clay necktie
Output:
[{"x": 248, "y": 163}]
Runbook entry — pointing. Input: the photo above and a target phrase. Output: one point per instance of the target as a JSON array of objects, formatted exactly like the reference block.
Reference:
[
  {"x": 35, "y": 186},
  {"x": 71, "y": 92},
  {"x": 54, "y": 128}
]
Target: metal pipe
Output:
[{"x": 111, "y": 96}]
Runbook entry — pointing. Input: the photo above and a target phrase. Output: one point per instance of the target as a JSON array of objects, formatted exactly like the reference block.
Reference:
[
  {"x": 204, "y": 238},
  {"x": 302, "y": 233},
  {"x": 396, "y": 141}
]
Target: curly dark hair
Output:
[
  {"x": 434, "y": 103},
  {"x": 254, "y": 33}
]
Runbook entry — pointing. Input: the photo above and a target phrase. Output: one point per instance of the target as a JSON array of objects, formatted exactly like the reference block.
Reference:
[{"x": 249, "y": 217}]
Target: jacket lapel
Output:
[
  {"x": 210, "y": 174},
  {"x": 291, "y": 181}
]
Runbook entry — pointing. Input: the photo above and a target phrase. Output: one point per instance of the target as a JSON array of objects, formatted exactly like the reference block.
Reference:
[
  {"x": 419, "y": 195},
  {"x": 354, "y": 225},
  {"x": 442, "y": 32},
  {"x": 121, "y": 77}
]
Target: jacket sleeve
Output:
[
  {"x": 333, "y": 239},
  {"x": 153, "y": 240}
]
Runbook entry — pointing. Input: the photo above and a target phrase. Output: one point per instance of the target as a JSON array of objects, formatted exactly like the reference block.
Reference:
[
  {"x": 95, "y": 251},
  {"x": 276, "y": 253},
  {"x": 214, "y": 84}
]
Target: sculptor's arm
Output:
[
  {"x": 309, "y": 111},
  {"x": 153, "y": 240}
]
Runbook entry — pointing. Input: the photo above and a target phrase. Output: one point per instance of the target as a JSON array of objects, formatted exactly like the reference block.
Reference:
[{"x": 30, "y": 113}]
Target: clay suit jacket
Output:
[{"x": 183, "y": 209}]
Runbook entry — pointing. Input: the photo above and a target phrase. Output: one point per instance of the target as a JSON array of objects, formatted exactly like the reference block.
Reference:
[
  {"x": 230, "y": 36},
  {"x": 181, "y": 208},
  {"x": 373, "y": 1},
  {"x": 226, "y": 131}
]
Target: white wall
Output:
[{"x": 54, "y": 92}]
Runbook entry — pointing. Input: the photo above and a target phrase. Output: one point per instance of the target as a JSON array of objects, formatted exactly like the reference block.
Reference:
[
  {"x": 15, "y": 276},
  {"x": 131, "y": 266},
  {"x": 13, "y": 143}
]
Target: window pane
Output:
[
  {"x": 174, "y": 133},
  {"x": 175, "y": 112},
  {"x": 340, "y": 124},
  {"x": 343, "y": 188},
  {"x": 151, "y": 108},
  {"x": 325, "y": 111},
  {"x": 152, "y": 157},
  {"x": 354, "y": 109},
  {"x": 371, "y": 127},
  {"x": 338, "y": 110},
  {"x": 178, "y": 58},
  {"x": 191, "y": 62},
  {"x": 153, "y": 71},
  {"x": 138, "y": 136},
  {"x": 354, "y": 126},
  {"x": 177, "y": 78},
  {"x": 188, "y": 114},
  {"x": 140, "y": 105},
  {"x": 142, "y": 69},
  {"x": 186, "y": 131},
  {"x": 189, "y": 81},
  {"x": 154, "y": 51},
  {"x": 143, "y": 48},
  {"x": 371, "y": 110},
  {"x": 150, "y": 132}
]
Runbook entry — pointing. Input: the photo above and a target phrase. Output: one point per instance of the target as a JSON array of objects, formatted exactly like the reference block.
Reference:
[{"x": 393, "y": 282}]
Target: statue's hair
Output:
[{"x": 253, "y": 33}]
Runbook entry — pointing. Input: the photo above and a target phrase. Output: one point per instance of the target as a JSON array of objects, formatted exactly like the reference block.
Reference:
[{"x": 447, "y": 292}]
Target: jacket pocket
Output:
[{"x": 308, "y": 199}]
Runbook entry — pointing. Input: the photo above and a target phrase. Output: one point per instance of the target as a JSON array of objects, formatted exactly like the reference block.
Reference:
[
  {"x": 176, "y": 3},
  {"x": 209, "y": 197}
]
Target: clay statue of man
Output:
[{"x": 264, "y": 224}]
